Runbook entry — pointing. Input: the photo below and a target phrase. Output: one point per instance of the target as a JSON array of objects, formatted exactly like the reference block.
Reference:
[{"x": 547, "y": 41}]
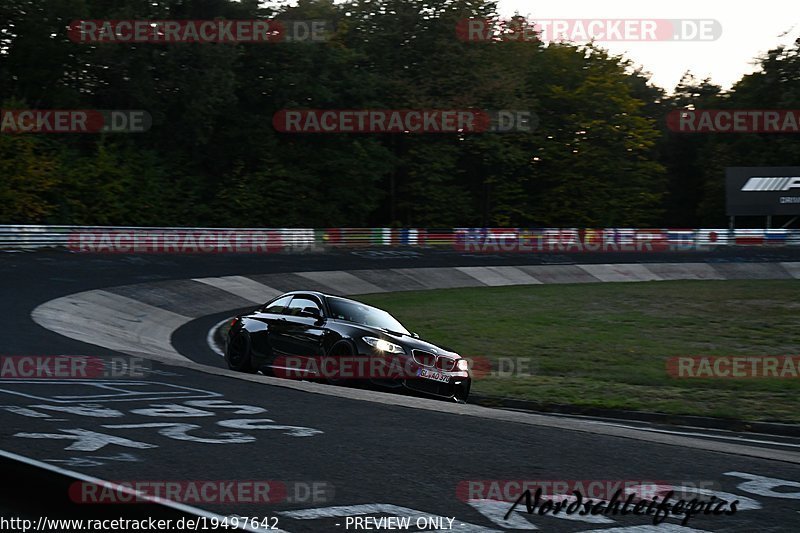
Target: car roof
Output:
[
  {"x": 319, "y": 295},
  {"x": 313, "y": 293}
]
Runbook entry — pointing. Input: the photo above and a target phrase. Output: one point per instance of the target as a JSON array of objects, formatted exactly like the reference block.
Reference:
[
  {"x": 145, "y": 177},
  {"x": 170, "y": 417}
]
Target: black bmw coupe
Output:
[{"x": 316, "y": 336}]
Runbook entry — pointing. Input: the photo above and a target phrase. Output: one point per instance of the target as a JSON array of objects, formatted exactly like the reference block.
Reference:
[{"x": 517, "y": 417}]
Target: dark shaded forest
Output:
[{"x": 601, "y": 156}]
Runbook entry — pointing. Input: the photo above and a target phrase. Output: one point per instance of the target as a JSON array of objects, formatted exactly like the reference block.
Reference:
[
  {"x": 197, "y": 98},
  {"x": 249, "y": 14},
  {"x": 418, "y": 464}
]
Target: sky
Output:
[{"x": 749, "y": 29}]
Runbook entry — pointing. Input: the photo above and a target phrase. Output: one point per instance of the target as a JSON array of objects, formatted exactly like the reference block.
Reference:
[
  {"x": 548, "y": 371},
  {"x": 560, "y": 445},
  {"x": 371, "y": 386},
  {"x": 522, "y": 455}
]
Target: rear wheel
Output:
[{"x": 238, "y": 354}]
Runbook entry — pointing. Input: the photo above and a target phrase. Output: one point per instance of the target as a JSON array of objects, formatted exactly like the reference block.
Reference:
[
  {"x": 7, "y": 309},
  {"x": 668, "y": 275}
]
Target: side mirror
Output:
[
  {"x": 415, "y": 334},
  {"x": 311, "y": 312}
]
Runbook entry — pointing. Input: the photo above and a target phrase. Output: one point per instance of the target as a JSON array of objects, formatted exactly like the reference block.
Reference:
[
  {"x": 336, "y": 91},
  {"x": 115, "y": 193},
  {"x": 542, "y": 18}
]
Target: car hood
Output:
[{"x": 407, "y": 341}]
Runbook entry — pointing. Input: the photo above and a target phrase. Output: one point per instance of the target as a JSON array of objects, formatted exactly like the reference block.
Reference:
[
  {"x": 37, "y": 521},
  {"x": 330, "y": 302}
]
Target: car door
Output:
[
  {"x": 271, "y": 316},
  {"x": 299, "y": 336}
]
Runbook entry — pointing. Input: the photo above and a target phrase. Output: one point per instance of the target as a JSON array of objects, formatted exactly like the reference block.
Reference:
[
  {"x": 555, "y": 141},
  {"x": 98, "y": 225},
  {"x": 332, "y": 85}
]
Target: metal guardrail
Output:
[{"x": 255, "y": 240}]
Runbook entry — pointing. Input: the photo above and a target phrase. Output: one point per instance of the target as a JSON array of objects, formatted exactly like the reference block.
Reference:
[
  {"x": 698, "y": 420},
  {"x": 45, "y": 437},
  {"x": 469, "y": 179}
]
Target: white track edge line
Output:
[{"x": 177, "y": 506}]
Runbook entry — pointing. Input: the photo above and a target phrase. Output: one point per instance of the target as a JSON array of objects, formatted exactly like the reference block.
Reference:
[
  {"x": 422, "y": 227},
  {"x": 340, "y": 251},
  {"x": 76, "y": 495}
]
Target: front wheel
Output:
[
  {"x": 461, "y": 392},
  {"x": 341, "y": 349},
  {"x": 237, "y": 353}
]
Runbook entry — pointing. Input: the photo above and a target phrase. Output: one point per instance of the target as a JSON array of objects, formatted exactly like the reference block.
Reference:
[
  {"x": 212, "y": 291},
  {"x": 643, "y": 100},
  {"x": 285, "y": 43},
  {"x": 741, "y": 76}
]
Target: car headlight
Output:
[
  {"x": 463, "y": 365},
  {"x": 384, "y": 346}
]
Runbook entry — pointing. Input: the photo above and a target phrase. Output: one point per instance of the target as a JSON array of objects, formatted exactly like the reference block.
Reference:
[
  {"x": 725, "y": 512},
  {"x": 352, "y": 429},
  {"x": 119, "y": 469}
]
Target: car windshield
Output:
[{"x": 364, "y": 314}]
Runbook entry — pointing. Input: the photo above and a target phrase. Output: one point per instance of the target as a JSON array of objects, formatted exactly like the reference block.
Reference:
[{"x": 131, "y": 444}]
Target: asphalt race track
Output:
[{"x": 331, "y": 452}]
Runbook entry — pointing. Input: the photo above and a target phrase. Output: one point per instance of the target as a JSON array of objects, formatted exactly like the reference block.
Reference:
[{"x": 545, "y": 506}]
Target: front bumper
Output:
[
  {"x": 403, "y": 371},
  {"x": 456, "y": 389}
]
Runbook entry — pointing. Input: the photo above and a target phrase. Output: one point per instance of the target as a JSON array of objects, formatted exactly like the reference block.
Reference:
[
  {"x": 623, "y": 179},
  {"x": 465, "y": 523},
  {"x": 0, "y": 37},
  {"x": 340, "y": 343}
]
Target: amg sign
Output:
[{"x": 762, "y": 190}]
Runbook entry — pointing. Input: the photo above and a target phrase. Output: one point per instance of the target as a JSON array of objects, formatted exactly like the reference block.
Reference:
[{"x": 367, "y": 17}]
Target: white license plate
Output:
[{"x": 432, "y": 375}]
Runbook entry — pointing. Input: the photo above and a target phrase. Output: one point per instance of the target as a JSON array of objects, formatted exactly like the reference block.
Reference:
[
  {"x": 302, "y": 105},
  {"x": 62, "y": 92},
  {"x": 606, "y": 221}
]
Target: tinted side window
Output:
[
  {"x": 277, "y": 306},
  {"x": 299, "y": 303}
]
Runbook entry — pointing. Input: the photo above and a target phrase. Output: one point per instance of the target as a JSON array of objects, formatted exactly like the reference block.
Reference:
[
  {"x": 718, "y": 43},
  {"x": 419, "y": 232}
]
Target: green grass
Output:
[{"x": 605, "y": 344}]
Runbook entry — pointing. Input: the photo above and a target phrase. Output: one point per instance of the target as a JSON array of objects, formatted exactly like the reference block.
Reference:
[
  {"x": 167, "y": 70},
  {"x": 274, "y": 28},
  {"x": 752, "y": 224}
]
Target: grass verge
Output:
[{"x": 606, "y": 344}]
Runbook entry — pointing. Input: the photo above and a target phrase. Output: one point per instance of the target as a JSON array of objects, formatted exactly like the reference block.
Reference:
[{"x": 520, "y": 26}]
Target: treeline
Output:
[{"x": 600, "y": 156}]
